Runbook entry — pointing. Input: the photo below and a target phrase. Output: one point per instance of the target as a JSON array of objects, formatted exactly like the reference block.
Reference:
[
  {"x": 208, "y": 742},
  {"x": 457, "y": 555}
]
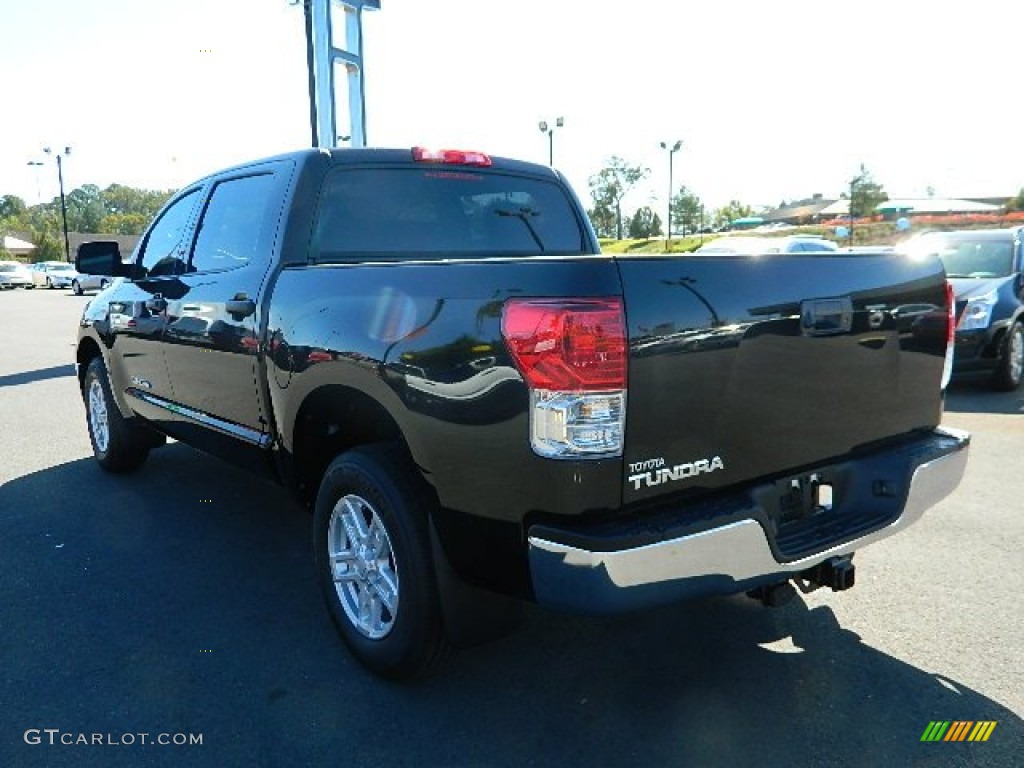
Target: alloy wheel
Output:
[{"x": 363, "y": 566}]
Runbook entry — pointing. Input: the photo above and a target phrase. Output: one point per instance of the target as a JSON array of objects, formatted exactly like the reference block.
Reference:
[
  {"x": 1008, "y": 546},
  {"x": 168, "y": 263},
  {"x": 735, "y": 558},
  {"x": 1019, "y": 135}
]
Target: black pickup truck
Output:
[{"x": 430, "y": 350}]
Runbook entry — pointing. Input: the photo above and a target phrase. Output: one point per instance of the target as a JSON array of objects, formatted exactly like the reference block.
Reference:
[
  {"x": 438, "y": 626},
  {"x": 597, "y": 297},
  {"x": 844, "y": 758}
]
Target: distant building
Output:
[
  {"x": 820, "y": 209},
  {"x": 18, "y": 248},
  {"x": 932, "y": 206}
]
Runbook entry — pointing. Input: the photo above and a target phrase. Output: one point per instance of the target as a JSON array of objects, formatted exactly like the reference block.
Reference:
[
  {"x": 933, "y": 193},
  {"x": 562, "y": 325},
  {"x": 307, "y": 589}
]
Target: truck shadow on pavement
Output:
[
  {"x": 968, "y": 397},
  {"x": 182, "y": 599},
  {"x": 56, "y": 372}
]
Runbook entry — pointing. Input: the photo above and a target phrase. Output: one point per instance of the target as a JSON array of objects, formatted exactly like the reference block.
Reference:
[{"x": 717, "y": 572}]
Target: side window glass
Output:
[
  {"x": 232, "y": 229},
  {"x": 163, "y": 253}
]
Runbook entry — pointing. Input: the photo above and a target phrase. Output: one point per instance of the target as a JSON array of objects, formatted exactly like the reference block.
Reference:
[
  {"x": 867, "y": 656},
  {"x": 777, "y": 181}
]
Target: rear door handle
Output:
[{"x": 240, "y": 308}]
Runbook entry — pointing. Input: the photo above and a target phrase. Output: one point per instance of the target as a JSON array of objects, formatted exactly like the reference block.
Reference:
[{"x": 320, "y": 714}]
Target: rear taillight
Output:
[
  {"x": 947, "y": 367},
  {"x": 450, "y": 156},
  {"x": 572, "y": 355}
]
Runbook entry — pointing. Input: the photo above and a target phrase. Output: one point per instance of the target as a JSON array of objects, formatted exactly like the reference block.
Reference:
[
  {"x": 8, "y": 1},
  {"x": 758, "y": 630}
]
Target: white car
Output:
[
  {"x": 14, "y": 274},
  {"x": 53, "y": 274}
]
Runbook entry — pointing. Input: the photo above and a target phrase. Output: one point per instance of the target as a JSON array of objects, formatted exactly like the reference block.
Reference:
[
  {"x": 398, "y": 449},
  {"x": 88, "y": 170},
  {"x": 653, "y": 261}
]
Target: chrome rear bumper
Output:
[{"x": 722, "y": 560}]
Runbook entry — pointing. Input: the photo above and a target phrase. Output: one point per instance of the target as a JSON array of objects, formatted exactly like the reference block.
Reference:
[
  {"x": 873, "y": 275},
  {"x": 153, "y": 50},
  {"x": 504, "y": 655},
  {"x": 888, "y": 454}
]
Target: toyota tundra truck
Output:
[{"x": 480, "y": 408}]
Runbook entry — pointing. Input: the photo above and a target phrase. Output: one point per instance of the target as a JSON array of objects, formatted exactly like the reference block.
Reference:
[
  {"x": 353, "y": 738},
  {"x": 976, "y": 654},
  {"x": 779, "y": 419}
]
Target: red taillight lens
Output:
[
  {"x": 450, "y": 156},
  {"x": 568, "y": 344}
]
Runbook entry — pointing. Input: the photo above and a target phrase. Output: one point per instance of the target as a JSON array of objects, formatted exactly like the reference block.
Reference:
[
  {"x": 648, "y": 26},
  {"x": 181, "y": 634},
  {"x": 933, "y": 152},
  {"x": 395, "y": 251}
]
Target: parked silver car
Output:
[
  {"x": 14, "y": 274},
  {"x": 53, "y": 274},
  {"x": 82, "y": 283},
  {"x": 742, "y": 244}
]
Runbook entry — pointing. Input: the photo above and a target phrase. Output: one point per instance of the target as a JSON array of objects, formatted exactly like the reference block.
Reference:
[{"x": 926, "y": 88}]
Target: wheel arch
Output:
[
  {"x": 87, "y": 350},
  {"x": 332, "y": 419}
]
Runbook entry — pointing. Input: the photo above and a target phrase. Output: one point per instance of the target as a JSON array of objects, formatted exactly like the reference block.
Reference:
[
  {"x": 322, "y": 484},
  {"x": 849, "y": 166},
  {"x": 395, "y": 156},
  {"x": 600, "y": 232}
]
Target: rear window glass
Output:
[{"x": 408, "y": 213}]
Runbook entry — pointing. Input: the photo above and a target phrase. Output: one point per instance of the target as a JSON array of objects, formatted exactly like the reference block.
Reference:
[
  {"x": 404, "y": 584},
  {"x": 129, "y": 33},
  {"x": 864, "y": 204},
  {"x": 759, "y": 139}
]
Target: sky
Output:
[{"x": 772, "y": 101}]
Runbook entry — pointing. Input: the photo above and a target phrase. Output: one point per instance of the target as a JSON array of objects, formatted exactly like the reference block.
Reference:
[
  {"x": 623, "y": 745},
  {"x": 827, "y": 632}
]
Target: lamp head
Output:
[{"x": 543, "y": 126}]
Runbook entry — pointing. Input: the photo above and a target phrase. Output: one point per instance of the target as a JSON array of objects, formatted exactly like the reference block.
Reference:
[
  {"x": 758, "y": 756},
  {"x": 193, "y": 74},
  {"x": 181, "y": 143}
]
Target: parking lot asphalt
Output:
[{"x": 181, "y": 601}]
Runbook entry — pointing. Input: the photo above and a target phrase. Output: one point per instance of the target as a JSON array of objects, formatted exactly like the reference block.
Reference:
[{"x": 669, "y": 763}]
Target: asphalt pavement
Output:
[{"x": 179, "y": 604}]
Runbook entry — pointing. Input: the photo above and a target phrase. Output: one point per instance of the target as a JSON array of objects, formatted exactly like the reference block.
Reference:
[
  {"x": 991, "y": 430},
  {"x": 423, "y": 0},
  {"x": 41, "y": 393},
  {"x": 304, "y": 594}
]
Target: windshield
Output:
[
  {"x": 974, "y": 258},
  {"x": 8, "y": 267}
]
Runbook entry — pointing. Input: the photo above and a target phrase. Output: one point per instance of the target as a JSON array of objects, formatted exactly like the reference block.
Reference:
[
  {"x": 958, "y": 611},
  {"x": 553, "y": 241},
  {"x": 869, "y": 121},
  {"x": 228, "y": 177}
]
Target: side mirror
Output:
[{"x": 101, "y": 257}]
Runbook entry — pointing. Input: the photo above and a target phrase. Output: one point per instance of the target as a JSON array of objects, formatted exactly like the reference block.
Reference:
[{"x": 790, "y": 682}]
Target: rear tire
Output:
[
  {"x": 76, "y": 287},
  {"x": 118, "y": 444},
  {"x": 372, "y": 555},
  {"x": 49, "y": 284},
  {"x": 1010, "y": 372}
]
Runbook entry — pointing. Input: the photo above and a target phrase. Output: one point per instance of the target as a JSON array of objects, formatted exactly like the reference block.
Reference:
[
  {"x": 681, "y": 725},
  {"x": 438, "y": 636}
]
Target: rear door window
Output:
[
  {"x": 233, "y": 229},
  {"x": 409, "y": 213}
]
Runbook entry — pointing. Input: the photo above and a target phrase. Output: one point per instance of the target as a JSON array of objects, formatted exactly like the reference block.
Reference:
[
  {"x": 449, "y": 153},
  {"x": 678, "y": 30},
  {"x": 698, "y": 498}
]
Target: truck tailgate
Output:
[{"x": 744, "y": 367}]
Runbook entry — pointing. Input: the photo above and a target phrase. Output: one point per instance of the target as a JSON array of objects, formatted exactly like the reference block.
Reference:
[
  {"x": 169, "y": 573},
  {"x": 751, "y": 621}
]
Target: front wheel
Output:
[
  {"x": 372, "y": 556},
  {"x": 76, "y": 287},
  {"x": 117, "y": 444},
  {"x": 1010, "y": 372}
]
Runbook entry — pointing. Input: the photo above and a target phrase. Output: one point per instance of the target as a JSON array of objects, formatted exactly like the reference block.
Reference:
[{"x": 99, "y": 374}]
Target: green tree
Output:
[
  {"x": 612, "y": 183},
  {"x": 85, "y": 208},
  {"x": 118, "y": 198},
  {"x": 49, "y": 246},
  {"x": 124, "y": 223},
  {"x": 645, "y": 223},
  {"x": 603, "y": 220},
  {"x": 10, "y": 206},
  {"x": 1016, "y": 203},
  {"x": 865, "y": 194},
  {"x": 728, "y": 213},
  {"x": 686, "y": 210}
]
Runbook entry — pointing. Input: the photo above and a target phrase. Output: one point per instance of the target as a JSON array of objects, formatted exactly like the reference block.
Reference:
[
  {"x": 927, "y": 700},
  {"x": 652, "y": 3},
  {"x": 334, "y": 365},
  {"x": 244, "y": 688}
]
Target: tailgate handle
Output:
[{"x": 826, "y": 317}]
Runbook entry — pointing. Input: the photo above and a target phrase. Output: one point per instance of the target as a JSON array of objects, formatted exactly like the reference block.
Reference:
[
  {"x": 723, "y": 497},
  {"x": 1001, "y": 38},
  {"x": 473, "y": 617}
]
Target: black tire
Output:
[
  {"x": 76, "y": 287},
  {"x": 378, "y": 483},
  {"x": 104, "y": 283},
  {"x": 49, "y": 284},
  {"x": 118, "y": 444},
  {"x": 1010, "y": 373}
]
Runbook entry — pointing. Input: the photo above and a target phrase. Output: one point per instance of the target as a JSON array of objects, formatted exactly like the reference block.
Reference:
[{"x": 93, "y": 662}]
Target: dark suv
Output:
[{"x": 985, "y": 269}]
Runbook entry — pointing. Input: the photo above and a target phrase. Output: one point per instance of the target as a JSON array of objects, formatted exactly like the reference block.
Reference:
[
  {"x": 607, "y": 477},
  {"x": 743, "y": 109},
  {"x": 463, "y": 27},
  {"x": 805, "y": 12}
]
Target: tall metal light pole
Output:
[
  {"x": 63, "y": 205},
  {"x": 671, "y": 153},
  {"x": 853, "y": 187},
  {"x": 37, "y": 164},
  {"x": 559, "y": 122}
]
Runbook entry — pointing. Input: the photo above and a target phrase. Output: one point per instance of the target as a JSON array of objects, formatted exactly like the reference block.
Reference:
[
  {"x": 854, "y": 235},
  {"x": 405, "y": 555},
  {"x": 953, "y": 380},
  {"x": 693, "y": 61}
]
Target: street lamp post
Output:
[
  {"x": 37, "y": 164},
  {"x": 853, "y": 188},
  {"x": 63, "y": 205},
  {"x": 668, "y": 224},
  {"x": 550, "y": 131}
]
